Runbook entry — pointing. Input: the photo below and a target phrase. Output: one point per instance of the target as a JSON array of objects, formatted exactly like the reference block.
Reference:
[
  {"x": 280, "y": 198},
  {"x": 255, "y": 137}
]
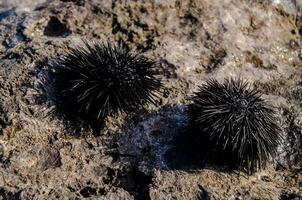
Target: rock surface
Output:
[{"x": 43, "y": 157}]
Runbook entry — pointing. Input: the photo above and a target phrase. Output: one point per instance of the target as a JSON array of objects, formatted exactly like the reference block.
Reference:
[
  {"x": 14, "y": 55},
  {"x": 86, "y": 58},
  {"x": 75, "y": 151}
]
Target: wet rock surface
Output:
[{"x": 43, "y": 156}]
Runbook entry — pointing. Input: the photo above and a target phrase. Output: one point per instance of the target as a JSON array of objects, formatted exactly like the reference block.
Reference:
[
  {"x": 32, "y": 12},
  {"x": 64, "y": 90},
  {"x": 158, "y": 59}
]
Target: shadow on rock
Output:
[
  {"x": 49, "y": 98},
  {"x": 147, "y": 136},
  {"x": 191, "y": 151}
]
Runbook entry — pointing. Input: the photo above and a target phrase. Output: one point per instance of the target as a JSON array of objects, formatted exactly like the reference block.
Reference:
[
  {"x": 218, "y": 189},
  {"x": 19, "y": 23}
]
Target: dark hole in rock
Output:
[
  {"x": 102, "y": 191},
  {"x": 88, "y": 192},
  {"x": 136, "y": 183},
  {"x": 55, "y": 28},
  {"x": 143, "y": 10},
  {"x": 190, "y": 17},
  {"x": 110, "y": 176}
]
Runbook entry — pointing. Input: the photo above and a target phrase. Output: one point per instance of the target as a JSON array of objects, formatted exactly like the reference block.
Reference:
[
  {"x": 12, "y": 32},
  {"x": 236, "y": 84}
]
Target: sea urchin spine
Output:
[
  {"x": 100, "y": 79},
  {"x": 235, "y": 124}
]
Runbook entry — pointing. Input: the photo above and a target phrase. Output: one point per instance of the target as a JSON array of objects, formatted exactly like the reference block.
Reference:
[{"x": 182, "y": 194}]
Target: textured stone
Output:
[{"x": 45, "y": 157}]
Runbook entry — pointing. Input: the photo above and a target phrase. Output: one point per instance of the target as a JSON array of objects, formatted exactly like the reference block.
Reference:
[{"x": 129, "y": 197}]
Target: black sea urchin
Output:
[
  {"x": 235, "y": 124},
  {"x": 100, "y": 79}
]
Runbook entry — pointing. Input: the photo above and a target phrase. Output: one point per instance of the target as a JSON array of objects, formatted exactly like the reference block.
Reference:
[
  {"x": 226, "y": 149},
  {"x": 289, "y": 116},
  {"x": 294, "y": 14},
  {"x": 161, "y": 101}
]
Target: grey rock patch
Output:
[{"x": 49, "y": 158}]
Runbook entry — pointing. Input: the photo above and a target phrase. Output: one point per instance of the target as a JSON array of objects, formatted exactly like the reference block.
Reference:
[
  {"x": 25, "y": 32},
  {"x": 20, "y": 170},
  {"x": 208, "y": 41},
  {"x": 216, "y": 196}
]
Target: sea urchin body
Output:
[
  {"x": 101, "y": 79},
  {"x": 235, "y": 124}
]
